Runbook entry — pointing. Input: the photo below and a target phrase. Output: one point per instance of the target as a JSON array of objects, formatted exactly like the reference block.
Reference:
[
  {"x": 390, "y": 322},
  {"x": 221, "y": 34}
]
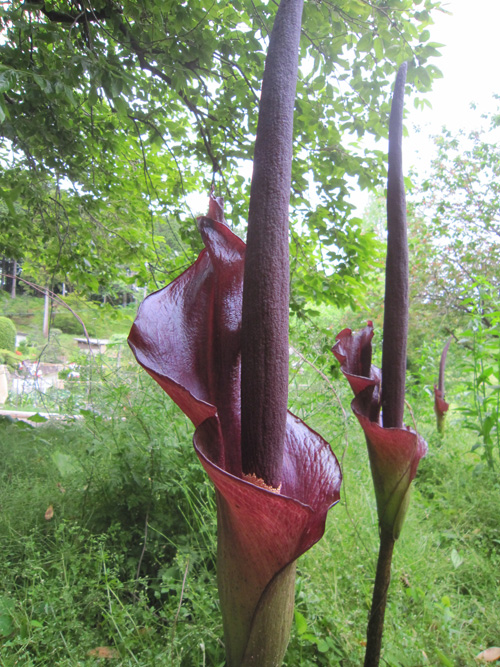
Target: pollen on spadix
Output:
[{"x": 258, "y": 481}]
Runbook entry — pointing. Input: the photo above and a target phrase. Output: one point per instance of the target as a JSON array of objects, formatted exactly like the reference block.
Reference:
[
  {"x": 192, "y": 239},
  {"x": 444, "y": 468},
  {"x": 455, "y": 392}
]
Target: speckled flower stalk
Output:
[
  {"x": 394, "y": 450},
  {"x": 264, "y": 344},
  {"x": 275, "y": 478}
]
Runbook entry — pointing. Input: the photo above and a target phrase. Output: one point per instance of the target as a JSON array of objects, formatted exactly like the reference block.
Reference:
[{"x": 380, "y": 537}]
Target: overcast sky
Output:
[{"x": 470, "y": 65}]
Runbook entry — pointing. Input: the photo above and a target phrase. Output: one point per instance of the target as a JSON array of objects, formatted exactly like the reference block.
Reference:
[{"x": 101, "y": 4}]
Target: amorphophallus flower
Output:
[
  {"x": 394, "y": 453},
  {"x": 440, "y": 405},
  {"x": 216, "y": 340},
  {"x": 188, "y": 338},
  {"x": 394, "y": 449}
]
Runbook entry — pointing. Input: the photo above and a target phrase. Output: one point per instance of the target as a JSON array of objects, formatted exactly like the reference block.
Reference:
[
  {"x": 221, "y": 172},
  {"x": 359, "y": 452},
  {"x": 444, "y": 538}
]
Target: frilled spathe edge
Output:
[
  {"x": 394, "y": 452},
  {"x": 271, "y": 529},
  {"x": 187, "y": 336},
  {"x": 174, "y": 336},
  {"x": 354, "y": 352}
]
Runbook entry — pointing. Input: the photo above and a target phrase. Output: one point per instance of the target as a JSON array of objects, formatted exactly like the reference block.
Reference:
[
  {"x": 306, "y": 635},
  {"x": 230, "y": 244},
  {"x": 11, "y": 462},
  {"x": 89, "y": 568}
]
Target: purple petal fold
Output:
[
  {"x": 276, "y": 528},
  {"x": 261, "y": 533},
  {"x": 440, "y": 408},
  {"x": 394, "y": 452},
  {"x": 188, "y": 338}
]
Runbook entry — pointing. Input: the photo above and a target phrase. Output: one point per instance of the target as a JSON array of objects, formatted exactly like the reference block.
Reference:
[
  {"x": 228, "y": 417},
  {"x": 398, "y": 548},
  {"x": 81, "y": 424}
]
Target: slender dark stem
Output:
[
  {"x": 396, "y": 272},
  {"x": 379, "y": 600},
  {"x": 264, "y": 349},
  {"x": 442, "y": 366}
]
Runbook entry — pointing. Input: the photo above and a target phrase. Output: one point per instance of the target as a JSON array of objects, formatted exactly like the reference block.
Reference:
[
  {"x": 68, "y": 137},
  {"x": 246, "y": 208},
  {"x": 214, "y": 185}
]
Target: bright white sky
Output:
[{"x": 470, "y": 63}]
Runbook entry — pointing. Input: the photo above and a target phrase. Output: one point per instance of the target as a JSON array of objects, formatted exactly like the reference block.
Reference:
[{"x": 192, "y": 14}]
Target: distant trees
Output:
[
  {"x": 455, "y": 225},
  {"x": 113, "y": 112}
]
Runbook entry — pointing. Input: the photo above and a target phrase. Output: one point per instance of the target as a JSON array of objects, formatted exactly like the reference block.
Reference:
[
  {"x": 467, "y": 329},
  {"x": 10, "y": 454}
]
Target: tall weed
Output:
[{"x": 481, "y": 368}]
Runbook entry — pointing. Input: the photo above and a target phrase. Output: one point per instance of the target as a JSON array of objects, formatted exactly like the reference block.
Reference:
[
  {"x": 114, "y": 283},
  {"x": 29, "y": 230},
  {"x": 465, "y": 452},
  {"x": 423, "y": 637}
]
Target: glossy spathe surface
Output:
[
  {"x": 187, "y": 336},
  {"x": 394, "y": 452}
]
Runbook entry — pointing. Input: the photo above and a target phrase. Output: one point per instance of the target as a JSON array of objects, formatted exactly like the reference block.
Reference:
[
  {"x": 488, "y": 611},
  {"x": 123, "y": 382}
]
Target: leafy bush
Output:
[
  {"x": 67, "y": 323},
  {"x": 7, "y": 334},
  {"x": 52, "y": 352},
  {"x": 9, "y": 358}
]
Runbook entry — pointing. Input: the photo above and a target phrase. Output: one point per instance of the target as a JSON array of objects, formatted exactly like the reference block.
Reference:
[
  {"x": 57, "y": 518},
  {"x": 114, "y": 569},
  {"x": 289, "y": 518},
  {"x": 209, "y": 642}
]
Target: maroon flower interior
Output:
[{"x": 187, "y": 337}]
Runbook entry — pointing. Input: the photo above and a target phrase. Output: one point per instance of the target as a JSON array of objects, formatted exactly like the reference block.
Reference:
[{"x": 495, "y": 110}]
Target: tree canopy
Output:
[
  {"x": 455, "y": 224},
  {"x": 114, "y": 112}
]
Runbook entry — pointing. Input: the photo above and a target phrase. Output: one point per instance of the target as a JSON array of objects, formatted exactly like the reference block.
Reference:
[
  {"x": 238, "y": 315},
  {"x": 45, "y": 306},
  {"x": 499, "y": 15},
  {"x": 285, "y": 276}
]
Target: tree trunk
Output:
[
  {"x": 46, "y": 315},
  {"x": 14, "y": 280}
]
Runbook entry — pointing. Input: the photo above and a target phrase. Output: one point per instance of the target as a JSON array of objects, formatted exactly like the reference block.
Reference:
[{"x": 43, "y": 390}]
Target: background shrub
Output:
[
  {"x": 9, "y": 358},
  {"x": 67, "y": 323},
  {"x": 7, "y": 334}
]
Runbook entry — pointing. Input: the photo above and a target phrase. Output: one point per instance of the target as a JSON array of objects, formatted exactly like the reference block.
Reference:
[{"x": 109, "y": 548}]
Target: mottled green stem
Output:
[{"x": 379, "y": 600}]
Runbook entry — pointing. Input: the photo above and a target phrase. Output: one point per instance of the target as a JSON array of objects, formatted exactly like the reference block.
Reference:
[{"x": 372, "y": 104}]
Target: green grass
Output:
[
  {"x": 443, "y": 601},
  {"x": 444, "y": 598},
  {"x": 128, "y": 559},
  {"x": 101, "y": 321}
]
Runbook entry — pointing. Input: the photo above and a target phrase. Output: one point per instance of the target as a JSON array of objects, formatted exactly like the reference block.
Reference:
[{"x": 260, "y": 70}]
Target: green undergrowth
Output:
[
  {"x": 100, "y": 320},
  {"x": 444, "y": 598},
  {"x": 108, "y": 540}
]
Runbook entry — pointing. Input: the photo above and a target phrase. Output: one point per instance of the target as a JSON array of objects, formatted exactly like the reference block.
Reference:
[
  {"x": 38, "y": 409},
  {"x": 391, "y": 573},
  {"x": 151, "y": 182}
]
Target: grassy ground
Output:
[{"x": 126, "y": 564}]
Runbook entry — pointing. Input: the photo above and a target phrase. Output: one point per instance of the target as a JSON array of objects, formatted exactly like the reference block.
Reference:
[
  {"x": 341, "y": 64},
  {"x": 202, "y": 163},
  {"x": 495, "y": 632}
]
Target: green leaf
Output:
[
  {"x": 456, "y": 559},
  {"x": 378, "y": 46},
  {"x": 66, "y": 464},
  {"x": 7, "y": 607},
  {"x": 300, "y": 623},
  {"x": 93, "y": 96},
  {"x": 121, "y": 106},
  {"x": 445, "y": 661},
  {"x": 38, "y": 418},
  {"x": 365, "y": 43},
  {"x": 323, "y": 646}
]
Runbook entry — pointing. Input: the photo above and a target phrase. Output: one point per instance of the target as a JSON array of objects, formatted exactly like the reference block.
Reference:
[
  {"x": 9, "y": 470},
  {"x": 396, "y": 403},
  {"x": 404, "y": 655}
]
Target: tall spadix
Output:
[{"x": 264, "y": 349}]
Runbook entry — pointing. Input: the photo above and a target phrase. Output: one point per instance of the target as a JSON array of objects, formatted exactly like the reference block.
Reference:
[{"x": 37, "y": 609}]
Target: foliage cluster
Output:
[
  {"x": 9, "y": 358},
  {"x": 27, "y": 314},
  {"x": 481, "y": 368},
  {"x": 127, "y": 560},
  {"x": 7, "y": 334},
  {"x": 112, "y": 113},
  {"x": 455, "y": 221}
]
